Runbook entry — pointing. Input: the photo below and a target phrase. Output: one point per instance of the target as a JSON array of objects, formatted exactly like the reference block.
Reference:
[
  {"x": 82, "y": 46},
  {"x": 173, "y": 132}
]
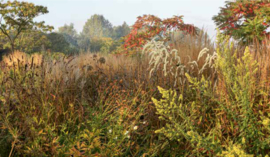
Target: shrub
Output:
[{"x": 64, "y": 106}]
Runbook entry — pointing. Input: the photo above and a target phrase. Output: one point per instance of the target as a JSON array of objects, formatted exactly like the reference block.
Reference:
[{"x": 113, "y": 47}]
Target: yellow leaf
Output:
[{"x": 40, "y": 132}]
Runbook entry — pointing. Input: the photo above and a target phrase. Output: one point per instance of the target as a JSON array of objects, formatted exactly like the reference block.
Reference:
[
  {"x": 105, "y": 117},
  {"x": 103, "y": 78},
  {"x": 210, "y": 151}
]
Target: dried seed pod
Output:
[{"x": 102, "y": 60}]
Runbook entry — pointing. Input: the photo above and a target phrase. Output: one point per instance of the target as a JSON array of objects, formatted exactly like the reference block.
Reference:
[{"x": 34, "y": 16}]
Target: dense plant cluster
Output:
[
  {"x": 58, "y": 106},
  {"x": 227, "y": 118},
  {"x": 245, "y": 20},
  {"x": 89, "y": 105},
  {"x": 180, "y": 94}
]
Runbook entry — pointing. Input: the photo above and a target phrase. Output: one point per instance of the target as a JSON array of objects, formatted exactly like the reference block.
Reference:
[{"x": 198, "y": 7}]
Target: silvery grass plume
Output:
[
  {"x": 209, "y": 61},
  {"x": 161, "y": 56}
]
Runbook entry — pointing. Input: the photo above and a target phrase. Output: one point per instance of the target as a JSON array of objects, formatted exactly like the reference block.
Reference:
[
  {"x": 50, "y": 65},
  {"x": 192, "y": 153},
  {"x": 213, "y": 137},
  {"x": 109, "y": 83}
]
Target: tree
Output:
[
  {"x": 70, "y": 34},
  {"x": 94, "y": 29},
  {"x": 17, "y": 17},
  {"x": 84, "y": 42},
  {"x": 28, "y": 41},
  {"x": 121, "y": 31},
  {"x": 97, "y": 26},
  {"x": 103, "y": 45},
  {"x": 150, "y": 26},
  {"x": 59, "y": 44},
  {"x": 245, "y": 20},
  {"x": 32, "y": 41},
  {"x": 69, "y": 30}
]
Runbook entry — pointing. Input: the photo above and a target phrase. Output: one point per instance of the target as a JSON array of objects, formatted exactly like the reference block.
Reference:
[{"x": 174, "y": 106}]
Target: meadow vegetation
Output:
[{"x": 177, "y": 94}]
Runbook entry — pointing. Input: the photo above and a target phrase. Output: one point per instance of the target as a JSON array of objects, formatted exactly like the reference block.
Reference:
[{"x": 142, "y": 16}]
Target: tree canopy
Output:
[
  {"x": 70, "y": 34},
  {"x": 121, "y": 31},
  {"x": 99, "y": 35},
  {"x": 149, "y": 26},
  {"x": 69, "y": 30},
  {"x": 245, "y": 20},
  {"x": 97, "y": 26},
  {"x": 18, "y": 17}
]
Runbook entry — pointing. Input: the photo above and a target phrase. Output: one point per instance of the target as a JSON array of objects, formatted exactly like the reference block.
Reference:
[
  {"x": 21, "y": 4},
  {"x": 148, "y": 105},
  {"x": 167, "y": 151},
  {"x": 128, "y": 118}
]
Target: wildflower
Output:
[
  {"x": 243, "y": 140},
  {"x": 189, "y": 133},
  {"x": 135, "y": 127},
  {"x": 128, "y": 136},
  {"x": 266, "y": 122},
  {"x": 110, "y": 131},
  {"x": 116, "y": 138},
  {"x": 144, "y": 122},
  {"x": 126, "y": 132}
]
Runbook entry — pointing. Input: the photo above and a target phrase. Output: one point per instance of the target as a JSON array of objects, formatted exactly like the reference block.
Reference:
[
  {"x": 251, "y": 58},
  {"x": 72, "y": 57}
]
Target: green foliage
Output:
[
  {"x": 17, "y": 17},
  {"x": 32, "y": 41},
  {"x": 84, "y": 43},
  {"x": 97, "y": 26},
  {"x": 98, "y": 35},
  {"x": 58, "y": 43},
  {"x": 121, "y": 31},
  {"x": 235, "y": 150},
  {"x": 70, "y": 34},
  {"x": 245, "y": 20},
  {"x": 103, "y": 45},
  {"x": 69, "y": 30},
  {"x": 29, "y": 41},
  {"x": 221, "y": 119}
]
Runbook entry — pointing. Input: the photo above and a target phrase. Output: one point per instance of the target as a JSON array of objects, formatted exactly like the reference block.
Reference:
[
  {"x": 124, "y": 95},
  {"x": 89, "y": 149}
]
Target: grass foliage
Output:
[{"x": 189, "y": 99}]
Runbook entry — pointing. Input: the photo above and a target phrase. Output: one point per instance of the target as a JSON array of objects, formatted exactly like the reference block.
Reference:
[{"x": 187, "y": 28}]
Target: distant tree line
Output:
[
  {"x": 98, "y": 34},
  {"x": 18, "y": 31}
]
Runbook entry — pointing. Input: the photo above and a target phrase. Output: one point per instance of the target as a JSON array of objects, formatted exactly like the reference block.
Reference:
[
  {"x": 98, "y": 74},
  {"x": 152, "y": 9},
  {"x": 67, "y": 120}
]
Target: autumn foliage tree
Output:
[
  {"x": 245, "y": 20},
  {"x": 149, "y": 26}
]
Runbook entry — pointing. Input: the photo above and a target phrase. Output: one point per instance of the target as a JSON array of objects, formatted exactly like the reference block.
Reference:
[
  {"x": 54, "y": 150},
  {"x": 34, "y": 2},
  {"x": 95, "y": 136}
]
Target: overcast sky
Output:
[{"x": 197, "y": 12}]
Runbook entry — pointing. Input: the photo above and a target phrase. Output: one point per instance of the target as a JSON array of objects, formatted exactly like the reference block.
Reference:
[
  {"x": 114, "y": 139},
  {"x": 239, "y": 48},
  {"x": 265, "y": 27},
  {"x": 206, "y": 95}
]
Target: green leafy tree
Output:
[
  {"x": 245, "y": 20},
  {"x": 70, "y": 34},
  {"x": 95, "y": 30},
  {"x": 32, "y": 41},
  {"x": 103, "y": 45},
  {"x": 28, "y": 42},
  {"x": 18, "y": 17},
  {"x": 68, "y": 29},
  {"x": 97, "y": 26},
  {"x": 59, "y": 44},
  {"x": 121, "y": 31},
  {"x": 84, "y": 42}
]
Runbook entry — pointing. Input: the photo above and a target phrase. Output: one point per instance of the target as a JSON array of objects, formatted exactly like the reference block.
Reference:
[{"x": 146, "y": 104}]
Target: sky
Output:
[{"x": 197, "y": 12}]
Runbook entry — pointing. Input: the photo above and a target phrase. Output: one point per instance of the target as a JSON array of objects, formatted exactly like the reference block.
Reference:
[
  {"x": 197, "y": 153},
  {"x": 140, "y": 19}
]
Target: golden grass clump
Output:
[{"x": 22, "y": 58}]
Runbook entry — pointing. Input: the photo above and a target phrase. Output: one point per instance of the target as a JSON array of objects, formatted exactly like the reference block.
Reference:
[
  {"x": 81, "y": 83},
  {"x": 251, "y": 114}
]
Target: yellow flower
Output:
[
  {"x": 243, "y": 140},
  {"x": 266, "y": 122}
]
